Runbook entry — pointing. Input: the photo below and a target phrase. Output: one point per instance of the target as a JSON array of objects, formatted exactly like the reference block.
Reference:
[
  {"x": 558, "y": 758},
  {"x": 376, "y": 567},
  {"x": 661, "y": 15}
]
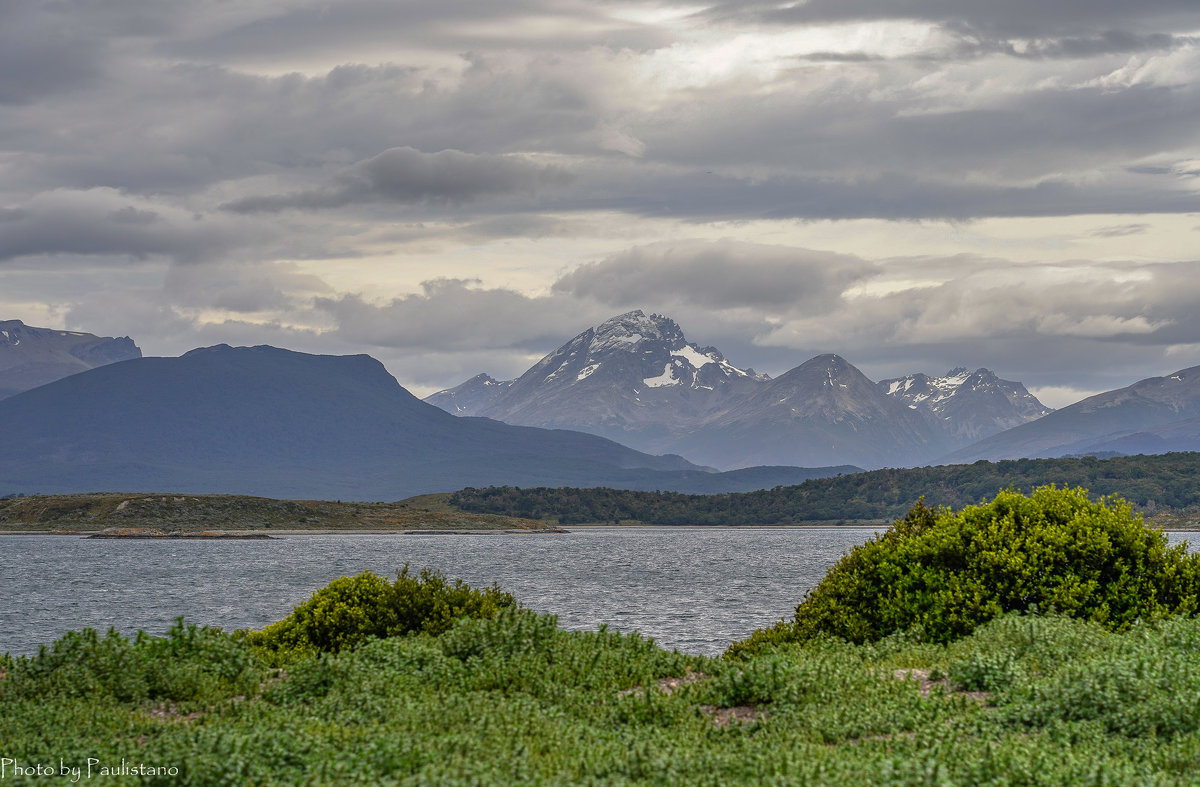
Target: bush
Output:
[
  {"x": 946, "y": 573},
  {"x": 351, "y": 610},
  {"x": 190, "y": 664}
]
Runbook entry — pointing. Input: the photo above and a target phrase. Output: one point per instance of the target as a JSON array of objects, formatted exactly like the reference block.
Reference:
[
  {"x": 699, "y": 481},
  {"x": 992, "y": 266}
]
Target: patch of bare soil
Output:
[
  {"x": 739, "y": 714},
  {"x": 668, "y": 685},
  {"x": 170, "y": 712},
  {"x": 926, "y": 686}
]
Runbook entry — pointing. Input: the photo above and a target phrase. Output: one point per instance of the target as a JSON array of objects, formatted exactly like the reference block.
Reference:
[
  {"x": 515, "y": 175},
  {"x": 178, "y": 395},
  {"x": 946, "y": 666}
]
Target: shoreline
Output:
[
  {"x": 230, "y": 535},
  {"x": 243, "y": 535},
  {"x": 261, "y": 534}
]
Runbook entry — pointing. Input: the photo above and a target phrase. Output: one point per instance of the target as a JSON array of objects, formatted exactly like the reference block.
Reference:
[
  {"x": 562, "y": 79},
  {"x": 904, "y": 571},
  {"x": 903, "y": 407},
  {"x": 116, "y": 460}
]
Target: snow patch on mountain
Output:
[
  {"x": 586, "y": 372},
  {"x": 666, "y": 378}
]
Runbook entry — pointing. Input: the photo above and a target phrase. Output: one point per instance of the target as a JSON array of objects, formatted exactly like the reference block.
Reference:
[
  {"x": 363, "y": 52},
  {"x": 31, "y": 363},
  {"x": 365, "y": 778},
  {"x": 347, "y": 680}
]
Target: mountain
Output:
[
  {"x": 30, "y": 357},
  {"x": 635, "y": 379},
  {"x": 275, "y": 423},
  {"x": 471, "y": 397},
  {"x": 821, "y": 412},
  {"x": 968, "y": 405},
  {"x": 1154, "y": 415}
]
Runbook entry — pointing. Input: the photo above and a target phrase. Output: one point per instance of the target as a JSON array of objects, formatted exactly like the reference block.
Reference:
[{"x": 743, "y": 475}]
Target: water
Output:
[{"x": 695, "y": 589}]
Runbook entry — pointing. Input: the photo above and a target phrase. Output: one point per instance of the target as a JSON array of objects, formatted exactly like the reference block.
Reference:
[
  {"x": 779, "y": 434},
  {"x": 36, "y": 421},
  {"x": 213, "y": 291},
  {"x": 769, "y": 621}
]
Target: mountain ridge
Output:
[
  {"x": 277, "y": 423},
  {"x": 30, "y": 357},
  {"x": 636, "y": 379},
  {"x": 1154, "y": 403}
]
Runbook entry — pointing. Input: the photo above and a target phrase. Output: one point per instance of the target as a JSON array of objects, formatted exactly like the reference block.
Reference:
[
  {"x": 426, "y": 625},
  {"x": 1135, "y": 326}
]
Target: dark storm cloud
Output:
[{"x": 406, "y": 175}]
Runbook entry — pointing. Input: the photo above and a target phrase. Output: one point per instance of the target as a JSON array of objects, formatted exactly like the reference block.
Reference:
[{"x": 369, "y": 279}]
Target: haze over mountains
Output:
[
  {"x": 276, "y": 423},
  {"x": 30, "y": 356},
  {"x": 638, "y": 380}
]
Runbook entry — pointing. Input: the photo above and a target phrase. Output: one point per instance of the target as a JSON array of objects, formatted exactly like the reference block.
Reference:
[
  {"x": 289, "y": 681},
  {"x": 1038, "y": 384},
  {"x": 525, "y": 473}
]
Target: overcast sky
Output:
[{"x": 457, "y": 186}]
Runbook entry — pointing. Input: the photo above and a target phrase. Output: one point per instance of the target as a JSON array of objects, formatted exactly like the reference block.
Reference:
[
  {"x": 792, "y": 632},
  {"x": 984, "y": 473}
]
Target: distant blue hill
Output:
[{"x": 277, "y": 423}]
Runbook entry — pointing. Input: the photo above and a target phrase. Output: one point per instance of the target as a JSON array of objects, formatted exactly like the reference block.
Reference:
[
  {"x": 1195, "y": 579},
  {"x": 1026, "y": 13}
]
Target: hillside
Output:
[
  {"x": 1161, "y": 487},
  {"x": 30, "y": 356},
  {"x": 196, "y": 513},
  {"x": 275, "y": 423},
  {"x": 1156, "y": 414}
]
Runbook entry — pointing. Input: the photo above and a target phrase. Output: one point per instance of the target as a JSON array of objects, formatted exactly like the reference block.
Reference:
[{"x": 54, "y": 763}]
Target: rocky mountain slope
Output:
[
  {"x": 638, "y": 380},
  {"x": 968, "y": 405},
  {"x": 30, "y": 357},
  {"x": 822, "y": 411},
  {"x": 1151, "y": 416},
  {"x": 635, "y": 379}
]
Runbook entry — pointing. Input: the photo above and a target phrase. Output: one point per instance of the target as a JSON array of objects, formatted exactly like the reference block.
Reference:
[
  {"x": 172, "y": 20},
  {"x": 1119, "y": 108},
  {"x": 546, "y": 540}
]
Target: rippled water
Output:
[{"x": 695, "y": 589}]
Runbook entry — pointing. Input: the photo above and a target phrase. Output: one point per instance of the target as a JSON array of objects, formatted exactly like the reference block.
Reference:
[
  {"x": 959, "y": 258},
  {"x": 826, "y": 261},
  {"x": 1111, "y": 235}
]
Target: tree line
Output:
[{"x": 1151, "y": 484}]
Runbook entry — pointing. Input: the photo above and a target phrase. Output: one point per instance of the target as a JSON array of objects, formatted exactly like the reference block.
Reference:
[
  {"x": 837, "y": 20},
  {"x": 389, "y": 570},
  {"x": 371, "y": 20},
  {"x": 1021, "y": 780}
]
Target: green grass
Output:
[
  {"x": 514, "y": 699},
  {"x": 175, "y": 513}
]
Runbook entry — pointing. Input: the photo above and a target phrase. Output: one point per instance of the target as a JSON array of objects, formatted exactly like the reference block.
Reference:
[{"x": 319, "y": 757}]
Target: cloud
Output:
[
  {"x": 1032, "y": 18},
  {"x": 521, "y": 140},
  {"x": 243, "y": 287},
  {"x": 721, "y": 274},
  {"x": 43, "y": 53},
  {"x": 1109, "y": 43},
  {"x": 106, "y": 222},
  {"x": 314, "y": 29},
  {"x": 454, "y": 315},
  {"x": 406, "y": 175},
  {"x": 1121, "y": 230}
]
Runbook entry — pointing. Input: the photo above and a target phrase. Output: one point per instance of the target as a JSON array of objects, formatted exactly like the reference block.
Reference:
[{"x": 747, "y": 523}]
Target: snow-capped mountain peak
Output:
[
  {"x": 632, "y": 369},
  {"x": 652, "y": 346},
  {"x": 637, "y": 379},
  {"x": 969, "y": 404}
]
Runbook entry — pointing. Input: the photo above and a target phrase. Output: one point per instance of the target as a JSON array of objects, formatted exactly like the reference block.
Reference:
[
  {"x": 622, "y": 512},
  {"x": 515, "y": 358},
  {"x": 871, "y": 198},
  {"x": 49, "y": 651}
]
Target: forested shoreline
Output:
[{"x": 1153, "y": 485}]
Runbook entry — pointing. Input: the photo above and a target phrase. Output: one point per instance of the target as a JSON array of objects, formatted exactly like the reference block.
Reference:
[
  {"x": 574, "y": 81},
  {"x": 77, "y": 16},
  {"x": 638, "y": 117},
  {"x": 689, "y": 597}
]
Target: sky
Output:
[{"x": 460, "y": 186}]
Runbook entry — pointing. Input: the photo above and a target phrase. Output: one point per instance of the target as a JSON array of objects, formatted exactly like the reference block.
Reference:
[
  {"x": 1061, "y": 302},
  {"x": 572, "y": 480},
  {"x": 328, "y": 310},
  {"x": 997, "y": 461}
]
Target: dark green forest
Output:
[{"x": 1152, "y": 484}]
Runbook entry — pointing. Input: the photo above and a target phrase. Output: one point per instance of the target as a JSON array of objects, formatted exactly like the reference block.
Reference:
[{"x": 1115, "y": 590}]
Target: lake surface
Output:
[{"x": 695, "y": 589}]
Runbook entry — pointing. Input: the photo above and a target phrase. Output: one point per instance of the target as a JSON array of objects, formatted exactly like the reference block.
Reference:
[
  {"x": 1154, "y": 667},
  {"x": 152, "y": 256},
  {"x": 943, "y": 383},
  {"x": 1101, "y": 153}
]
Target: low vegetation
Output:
[
  {"x": 1162, "y": 485},
  {"x": 945, "y": 573},
  {"x": 462, "y": 686},
  {"x": 351, "y": 610},
  {"x": 196, "y": 513}
]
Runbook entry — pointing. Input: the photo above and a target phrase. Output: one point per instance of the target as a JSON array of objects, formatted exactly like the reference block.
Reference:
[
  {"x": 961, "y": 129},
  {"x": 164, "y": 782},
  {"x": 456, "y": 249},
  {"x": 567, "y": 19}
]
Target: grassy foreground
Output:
[
  {"x": 919, "y": 660},
  {"x": 515, "y": 700}
]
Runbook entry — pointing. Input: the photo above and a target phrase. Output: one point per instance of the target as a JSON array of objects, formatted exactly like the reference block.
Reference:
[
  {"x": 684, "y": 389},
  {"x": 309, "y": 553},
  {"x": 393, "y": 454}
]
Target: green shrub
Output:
[
  {"x": 946, "y": 573},
  {"x": 985, "y": 672},
  {"x": 350, "y": 610},
  {"x": 190, "y": 664}
]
